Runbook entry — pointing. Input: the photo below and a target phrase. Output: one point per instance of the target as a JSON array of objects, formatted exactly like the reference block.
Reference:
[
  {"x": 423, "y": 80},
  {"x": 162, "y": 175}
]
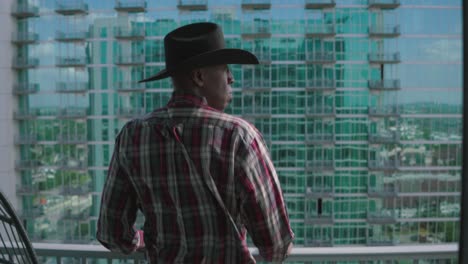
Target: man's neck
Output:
[{"x": 192, "y": 91}]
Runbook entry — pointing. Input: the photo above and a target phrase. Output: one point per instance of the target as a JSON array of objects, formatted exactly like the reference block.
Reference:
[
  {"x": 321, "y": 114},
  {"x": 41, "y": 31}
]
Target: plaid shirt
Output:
[{"x": 158, "y": 166}]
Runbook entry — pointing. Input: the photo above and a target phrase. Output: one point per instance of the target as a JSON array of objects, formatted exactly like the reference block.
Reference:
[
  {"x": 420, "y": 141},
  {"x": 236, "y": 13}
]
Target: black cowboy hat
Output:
[{"x": 198, "y": 45}]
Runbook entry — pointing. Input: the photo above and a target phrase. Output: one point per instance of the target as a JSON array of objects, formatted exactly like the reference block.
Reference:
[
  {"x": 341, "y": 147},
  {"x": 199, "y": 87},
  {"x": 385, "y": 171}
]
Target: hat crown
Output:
[
  {"x": 198, "y": 45},
  {"x": 192, "y": 40}
]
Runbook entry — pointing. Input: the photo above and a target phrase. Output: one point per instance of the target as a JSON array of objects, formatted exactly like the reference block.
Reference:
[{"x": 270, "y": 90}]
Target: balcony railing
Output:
[
  {"x": 440, "y": 253},
  {"x": 72, "y": 139},
  {"x": 324, "y": 111},
  {"x": 384, "y": 85},
  {"x": 381, "y": 242},
  {"x": 25, "y": 10},
  {"x": 25, "y": 37},
  {"x": 27, "y": 164},
  {"x": 326, "y": 219},
  {"x": 72, "y": 36},
  {"x": 321, "y": 30},
  {"x": 321, "y": 85},
  {"x": 130, "y": 5},
  {"x": 386, "y": 191},
  {"x": 262, "y": 30},
  {"x": 135, "y": 33},
  {"x": 129, "y": 86},
  {"x": 26, "y": 190},
  {"x": 319, "y": 192},
  {"x": 25, "y": 88},
  {"x": 384, "y": 138},
  {"x": 72, "y": 113},
  {"x": 381, "y": 218},
  {"x": 256, "y": 4},
  {"x": 318, "y": 139},
  {"x": 24, "y": 114},
  {"x": 384, "y": 31},
  {"x": 75, "y": 190},
  {"x": 320, "y": 57},
  {"x": 383, "y": 165},
  {"x": 25, "y": 63},
  {"x": 256, "y": 111},
  {"x": 257, "y": 85},
  {"x": 71, "y": 87},
  {"x": 125, "y": 112},
  {"x": 77, "y": 61},
  {"x": 193, "y": 5},
  {"x": 384, "y": 57},
  {"x": 73, "y": 165},
  {"x": 384, "y": 111},
  {"x": 71, "y": 7},
  {"x": 130, "y": 60},
  {"x": 32, "y": 214},
  {"x": 384, "y": 4},
  {"x": 264, "y": 57},
  {"x": 316, "y": 4},
  {"x": 318, "y": 242},
  {"x": 26, "y": 139},
  {"x": 320, "y": 165}
]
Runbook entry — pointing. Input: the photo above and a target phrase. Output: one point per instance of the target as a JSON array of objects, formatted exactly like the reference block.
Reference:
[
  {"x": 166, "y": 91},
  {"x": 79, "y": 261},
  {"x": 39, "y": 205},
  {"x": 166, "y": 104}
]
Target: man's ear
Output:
[{"x": 197, "y": 77}]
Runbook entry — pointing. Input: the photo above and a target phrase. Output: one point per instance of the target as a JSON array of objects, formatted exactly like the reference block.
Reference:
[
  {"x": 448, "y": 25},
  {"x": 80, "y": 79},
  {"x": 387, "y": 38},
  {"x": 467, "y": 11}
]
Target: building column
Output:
[{"x": 7, "y": 104}]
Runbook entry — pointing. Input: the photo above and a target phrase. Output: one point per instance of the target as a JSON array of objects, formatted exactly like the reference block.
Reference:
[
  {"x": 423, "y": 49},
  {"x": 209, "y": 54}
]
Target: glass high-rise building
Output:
[{"x": 359, "y": 101}]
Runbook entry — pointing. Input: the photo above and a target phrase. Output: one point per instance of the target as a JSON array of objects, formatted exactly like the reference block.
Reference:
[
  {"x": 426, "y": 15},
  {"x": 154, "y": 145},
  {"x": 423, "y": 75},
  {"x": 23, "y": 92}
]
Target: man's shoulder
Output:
[
  {"x": 204, "y": 117},
  {"x": 136, "y": 123},
  {"x": 228, "y": 121}
]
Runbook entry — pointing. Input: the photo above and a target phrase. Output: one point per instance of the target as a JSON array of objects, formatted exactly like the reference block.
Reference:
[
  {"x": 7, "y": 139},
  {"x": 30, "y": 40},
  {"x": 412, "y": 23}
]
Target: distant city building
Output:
[{"x": 359, "y": 102}]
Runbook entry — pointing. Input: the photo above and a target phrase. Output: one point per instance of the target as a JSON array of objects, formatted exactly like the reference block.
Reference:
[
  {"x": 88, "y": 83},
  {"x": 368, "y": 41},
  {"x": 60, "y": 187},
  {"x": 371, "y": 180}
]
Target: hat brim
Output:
[{"x": 216, "y": 57}]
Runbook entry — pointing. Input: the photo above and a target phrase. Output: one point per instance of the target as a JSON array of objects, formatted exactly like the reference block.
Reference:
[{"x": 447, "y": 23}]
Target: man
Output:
[{"x": 201, "y": 178}]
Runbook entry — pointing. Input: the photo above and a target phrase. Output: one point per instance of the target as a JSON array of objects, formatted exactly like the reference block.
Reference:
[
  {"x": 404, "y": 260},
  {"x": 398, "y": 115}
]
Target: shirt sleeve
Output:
[
  {"x": 115, "y": 227},
  {"x": 262, "y": 205}
]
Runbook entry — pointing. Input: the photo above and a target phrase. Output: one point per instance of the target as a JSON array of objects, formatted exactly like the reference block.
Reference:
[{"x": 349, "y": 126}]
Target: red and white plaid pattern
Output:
[{"x": 183, "y": 221}]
